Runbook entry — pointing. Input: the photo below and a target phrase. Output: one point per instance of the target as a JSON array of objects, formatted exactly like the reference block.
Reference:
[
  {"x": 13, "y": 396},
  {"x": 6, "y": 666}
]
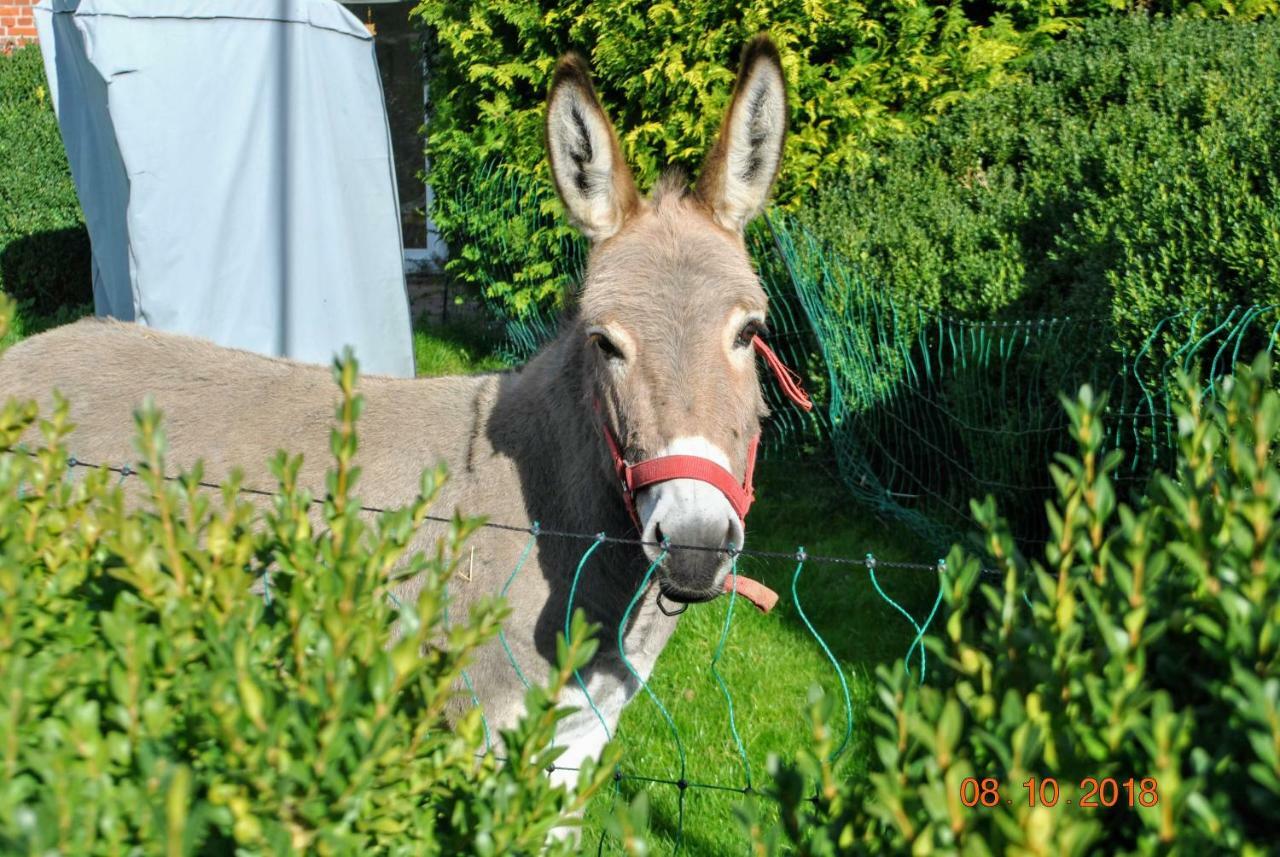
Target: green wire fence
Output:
[{"x": 921, "y": 411}]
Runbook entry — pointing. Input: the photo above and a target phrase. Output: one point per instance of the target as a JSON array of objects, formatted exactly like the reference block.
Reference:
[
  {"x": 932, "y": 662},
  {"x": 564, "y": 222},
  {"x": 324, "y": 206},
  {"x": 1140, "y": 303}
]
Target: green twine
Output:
[
  {"x": 919, "y": 640},
  {"x": 871, "y": 567},
  {"x": 724, "y": 688},
  {"x": 568, "y": 618},
  {"x": 502, "y": 633},
  {"x": 844, "y": 685}
]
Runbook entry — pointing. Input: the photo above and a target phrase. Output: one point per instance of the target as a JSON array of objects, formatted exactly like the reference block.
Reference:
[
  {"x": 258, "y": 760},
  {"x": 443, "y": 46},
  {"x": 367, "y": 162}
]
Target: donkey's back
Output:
[{"x": 234, "y": 408}]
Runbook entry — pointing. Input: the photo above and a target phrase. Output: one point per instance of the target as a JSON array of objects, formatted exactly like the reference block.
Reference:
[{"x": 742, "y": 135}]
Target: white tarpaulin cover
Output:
[{"x": 234, "y": 165}]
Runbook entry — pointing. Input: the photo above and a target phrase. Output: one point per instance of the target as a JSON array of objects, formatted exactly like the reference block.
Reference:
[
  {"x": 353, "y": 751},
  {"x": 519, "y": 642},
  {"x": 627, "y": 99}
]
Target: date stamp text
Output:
[{"x": 1093, "y": 793}]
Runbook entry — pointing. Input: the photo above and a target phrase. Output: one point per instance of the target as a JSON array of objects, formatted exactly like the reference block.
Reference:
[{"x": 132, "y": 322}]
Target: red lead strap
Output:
[{"x": 788, "y": 380}]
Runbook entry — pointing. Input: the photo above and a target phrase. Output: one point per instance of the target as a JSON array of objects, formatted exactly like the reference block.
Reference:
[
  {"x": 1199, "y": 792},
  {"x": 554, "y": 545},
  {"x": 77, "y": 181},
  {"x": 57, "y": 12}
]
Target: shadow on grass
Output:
[
  {"x": 457, "y": 348},
  {"x": 805, "y": 505},
  {"x": 48, "y": 271}
]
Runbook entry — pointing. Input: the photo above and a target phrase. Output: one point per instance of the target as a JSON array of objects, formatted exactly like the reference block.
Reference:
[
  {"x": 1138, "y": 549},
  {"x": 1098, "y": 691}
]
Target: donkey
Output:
[{"x": 656, "y": 365}]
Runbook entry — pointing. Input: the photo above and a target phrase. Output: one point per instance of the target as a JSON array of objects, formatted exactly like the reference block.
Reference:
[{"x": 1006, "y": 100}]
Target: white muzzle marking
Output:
[{"x": 689, "y": 511}]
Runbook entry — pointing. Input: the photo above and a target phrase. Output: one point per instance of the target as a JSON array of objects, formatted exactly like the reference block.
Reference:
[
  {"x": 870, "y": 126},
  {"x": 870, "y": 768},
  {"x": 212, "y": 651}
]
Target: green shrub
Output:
[
  {"x": 44, "y": 246},
  {"x": 1133, "y": 174},
  {"x": 149, "y": 702},
  {"x": 1143, "y": 645},
  {"x": 857, "y": 73}
]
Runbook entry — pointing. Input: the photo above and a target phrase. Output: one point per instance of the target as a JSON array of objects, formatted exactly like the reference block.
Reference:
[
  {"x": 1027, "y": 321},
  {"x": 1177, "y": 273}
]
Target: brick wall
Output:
[{"x": 16, "y": 23}]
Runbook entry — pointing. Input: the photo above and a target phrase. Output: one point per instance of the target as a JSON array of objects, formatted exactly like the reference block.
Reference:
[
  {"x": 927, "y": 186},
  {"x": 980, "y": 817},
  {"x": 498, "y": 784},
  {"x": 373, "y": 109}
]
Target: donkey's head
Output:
[{"x": 671, "y": 305}]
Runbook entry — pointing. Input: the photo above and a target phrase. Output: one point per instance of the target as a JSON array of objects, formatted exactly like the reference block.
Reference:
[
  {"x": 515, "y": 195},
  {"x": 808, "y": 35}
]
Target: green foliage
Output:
[
  {"x": 1132, "y": 175},
  {"x": 664, "y": 71},
  {"x": 44, "y": 246},
  {"x": 149, "y": 701},
  {"x": 1142, "y": 645},
  {"x": 860, "y": 74}
]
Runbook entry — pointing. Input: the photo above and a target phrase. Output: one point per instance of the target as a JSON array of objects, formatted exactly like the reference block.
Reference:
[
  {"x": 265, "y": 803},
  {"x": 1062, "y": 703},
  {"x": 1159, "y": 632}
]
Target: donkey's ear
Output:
[
  {"x": 740, "y": 169},
  {"x": 586, "y": 163}
]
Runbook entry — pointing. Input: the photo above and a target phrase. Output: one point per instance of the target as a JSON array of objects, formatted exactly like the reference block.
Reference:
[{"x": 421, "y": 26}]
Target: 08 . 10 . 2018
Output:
[{"x": 1043, "y": 791}]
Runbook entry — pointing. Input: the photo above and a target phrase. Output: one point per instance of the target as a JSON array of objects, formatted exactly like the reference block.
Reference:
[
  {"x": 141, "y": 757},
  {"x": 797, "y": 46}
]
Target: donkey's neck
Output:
[{"x": 544, "y": 421}]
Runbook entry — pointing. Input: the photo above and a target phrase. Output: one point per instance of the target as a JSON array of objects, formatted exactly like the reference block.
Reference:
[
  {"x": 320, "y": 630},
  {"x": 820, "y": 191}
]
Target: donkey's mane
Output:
[{"x": 671, "y": 186}]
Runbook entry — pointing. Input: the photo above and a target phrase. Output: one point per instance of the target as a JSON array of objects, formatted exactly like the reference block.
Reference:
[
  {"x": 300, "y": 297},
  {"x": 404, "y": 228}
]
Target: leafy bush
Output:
[
  {"x": 1136, "y": 172},
  {"x": 857, "y": 73},
  {"x": 1143, "y": 645},
  {"x": 149, "y": 701},
  {"x": 44, "y": 246}
]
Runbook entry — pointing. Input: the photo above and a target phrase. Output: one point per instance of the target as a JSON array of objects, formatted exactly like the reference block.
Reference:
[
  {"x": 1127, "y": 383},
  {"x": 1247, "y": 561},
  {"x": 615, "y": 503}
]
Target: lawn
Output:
[{"x": 461, "y": 348}]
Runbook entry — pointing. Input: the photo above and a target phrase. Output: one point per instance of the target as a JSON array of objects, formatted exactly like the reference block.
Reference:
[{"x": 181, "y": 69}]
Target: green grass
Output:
[{"x": 454, "y": 349}]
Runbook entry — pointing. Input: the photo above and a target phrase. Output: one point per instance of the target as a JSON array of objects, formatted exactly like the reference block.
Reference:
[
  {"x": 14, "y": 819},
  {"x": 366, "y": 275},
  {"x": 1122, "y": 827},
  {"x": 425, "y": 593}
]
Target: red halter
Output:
[{"x": 651, "y": 471}]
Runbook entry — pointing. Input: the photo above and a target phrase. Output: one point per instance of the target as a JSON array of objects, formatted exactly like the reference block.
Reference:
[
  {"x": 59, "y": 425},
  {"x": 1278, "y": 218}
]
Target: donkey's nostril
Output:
[
  {"x": 730, "y": 532},
  {"x": 657, "y": 534}
]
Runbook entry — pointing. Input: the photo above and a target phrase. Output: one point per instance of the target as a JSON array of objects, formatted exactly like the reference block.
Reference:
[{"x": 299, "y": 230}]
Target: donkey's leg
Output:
[{"x": 582, "y": 734}]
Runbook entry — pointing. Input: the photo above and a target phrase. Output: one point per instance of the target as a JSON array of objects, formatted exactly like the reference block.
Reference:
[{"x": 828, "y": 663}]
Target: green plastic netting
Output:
[{"x": 925, "y": 411}]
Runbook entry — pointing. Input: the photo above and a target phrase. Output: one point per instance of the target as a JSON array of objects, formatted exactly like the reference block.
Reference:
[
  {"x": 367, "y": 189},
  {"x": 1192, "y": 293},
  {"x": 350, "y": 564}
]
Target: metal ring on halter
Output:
[{"x": 666, "y": 612}]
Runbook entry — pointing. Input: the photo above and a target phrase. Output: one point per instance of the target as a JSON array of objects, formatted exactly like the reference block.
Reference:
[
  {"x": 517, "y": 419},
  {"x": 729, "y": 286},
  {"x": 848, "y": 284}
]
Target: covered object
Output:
[{"x": 234, "y": 165}]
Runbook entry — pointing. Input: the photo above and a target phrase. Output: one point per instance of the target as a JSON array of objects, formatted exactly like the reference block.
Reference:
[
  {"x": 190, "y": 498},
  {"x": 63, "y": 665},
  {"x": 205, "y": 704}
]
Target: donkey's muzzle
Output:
[{"x": 698, "y": 529}]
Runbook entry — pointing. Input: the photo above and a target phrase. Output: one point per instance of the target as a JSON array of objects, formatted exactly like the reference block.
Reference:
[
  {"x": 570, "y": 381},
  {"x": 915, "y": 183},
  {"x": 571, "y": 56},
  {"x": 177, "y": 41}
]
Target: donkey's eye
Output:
[
  {"x": 750, "y": 331},
  {"x": 606, "y": 346}
]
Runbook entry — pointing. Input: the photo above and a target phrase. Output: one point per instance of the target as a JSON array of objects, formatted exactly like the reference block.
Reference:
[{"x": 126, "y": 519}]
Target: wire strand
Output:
[{"x": 538, "y": 530}]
